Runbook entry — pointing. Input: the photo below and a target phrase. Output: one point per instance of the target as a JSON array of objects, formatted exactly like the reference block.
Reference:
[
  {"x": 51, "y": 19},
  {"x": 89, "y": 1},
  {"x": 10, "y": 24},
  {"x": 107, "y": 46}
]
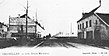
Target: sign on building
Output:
[
  {"x": 16, "y": 22},
  {"x": 20, "y": 21}
]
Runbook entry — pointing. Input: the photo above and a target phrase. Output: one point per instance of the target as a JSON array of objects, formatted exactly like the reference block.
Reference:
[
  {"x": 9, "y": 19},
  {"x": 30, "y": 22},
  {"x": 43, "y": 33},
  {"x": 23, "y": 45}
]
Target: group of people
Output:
[{"x": 47, "y": 37}]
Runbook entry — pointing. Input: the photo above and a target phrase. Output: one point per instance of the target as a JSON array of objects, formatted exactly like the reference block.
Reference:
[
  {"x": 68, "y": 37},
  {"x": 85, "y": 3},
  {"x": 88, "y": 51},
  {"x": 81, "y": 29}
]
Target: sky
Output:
[{"x": 55, "y": 15}]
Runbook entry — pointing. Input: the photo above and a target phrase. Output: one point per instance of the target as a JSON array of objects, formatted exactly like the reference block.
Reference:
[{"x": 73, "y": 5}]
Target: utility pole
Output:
[
  {"x": 36, "y": 24},
  {"x": 71, "y": 29},
  {"x": 27, "y": 20}
]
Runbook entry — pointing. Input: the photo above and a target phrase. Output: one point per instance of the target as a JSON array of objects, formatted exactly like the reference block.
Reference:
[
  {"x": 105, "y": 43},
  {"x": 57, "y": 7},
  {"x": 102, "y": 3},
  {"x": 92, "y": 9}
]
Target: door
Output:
[
  {"x": 97, "y": 36},
  {"x": 89, "y": 36}
]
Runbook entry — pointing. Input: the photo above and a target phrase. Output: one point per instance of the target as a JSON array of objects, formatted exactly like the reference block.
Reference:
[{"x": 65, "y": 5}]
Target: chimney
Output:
[{"x": 83, "y": 13}]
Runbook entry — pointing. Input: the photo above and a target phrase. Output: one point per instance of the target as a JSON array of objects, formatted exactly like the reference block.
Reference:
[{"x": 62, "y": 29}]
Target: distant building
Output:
[
  {"x": 17, "y": 26},
  {"x": 94, "y": 26},
  {"x": 3, "y": 30}
]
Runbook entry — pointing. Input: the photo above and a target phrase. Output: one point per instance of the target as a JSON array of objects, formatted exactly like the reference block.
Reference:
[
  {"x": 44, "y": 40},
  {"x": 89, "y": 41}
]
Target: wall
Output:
[
  {"x": 104, "y": 31},
  {"x": 3, "y": 31},
  {"x": 93, "y": 19}
]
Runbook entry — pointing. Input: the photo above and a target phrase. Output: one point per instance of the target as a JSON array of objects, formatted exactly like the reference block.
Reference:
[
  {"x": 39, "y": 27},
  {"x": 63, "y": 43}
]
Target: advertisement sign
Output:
[
  {"x": 31, "y": 29},
  {"x": 13, "y": 29},
  {"x": 16, "y": 29},
  {"x": 20, "y": 21}
]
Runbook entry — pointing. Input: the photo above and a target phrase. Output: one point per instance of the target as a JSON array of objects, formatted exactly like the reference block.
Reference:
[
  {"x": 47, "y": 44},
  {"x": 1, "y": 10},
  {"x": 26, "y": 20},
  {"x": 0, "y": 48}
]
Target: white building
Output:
[
  {"x": 3, "y": 30},
  {"x": 17, "y": 26},
  {"x": 94, "y": 26}
]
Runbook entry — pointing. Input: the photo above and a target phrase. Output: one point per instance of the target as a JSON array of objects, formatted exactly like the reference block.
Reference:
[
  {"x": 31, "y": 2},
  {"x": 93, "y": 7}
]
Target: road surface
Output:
[
  {"x": 55, "y": 47},
  {"x": 66, "y": 44}
]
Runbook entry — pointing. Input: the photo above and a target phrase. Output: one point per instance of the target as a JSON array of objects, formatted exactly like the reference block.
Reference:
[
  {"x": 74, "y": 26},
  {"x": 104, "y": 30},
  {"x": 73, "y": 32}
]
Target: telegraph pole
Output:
[
  {"x": 36, "y": 24},
  {"x": 71, "y": 29},
  {"x": 27, "y": 20}
]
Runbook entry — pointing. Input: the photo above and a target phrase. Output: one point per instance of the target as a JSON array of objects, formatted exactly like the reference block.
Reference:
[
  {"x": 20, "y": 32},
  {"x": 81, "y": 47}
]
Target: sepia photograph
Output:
[{"x": 54, "y": 28}]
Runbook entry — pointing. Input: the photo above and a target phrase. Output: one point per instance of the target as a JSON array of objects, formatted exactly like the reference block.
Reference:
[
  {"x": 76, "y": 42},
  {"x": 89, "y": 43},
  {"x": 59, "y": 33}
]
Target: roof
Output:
[
  {"x": 3, "y": 24},
  {"x": 24, "y": 16},
  {"x": 20, "y": 20},
  {"x": 85, "y": 15},
  {"x": 104, "y": 17},
  {"x": 14, "y": 19}
]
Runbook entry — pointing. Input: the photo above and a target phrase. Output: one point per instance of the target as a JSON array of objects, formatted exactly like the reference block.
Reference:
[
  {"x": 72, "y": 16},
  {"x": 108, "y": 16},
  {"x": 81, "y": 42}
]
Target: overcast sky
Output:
[{"x": 55, "y": 15}]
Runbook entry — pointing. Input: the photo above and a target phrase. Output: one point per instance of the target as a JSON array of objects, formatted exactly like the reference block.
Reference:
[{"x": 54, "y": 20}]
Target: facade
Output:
[
  {"x": 3, "y": 30},
  {"x": 17, "y": 26},
  {"x": 94, "y": 26}
]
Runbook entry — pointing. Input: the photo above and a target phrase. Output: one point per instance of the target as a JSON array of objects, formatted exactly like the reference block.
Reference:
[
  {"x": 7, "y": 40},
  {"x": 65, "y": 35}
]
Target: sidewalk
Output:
[{"x": 85, "y": 46}]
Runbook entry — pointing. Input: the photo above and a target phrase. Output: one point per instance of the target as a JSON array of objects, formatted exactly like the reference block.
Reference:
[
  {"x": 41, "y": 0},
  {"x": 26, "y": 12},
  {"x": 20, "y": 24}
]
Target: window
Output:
[
  {"x": 86, "y": 24},
  {"x": 78, "y": 27},
  {"x": 0, "y": 25},
  {"x": 96, "y": 22},
  {"x": 82, "y": 25},
  {"x": 90, "y": 23}
]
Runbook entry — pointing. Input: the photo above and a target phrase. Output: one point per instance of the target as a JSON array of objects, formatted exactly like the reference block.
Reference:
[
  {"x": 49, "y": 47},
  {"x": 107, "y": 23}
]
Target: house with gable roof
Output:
[
  {"x": 94, "y": 26},
  {"x": 17, "y": 26},
  {"x": 3, "y": 30}
]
